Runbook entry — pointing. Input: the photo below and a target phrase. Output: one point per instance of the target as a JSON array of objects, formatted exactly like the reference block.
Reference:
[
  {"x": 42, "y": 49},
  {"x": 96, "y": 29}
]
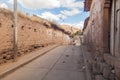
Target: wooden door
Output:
[{"x": 117, "y": 29}]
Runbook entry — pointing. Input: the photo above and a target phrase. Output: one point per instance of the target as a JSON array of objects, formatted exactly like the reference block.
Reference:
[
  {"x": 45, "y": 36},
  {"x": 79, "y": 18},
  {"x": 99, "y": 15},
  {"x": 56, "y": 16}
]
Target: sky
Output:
[{"x": 69, "y": 12}]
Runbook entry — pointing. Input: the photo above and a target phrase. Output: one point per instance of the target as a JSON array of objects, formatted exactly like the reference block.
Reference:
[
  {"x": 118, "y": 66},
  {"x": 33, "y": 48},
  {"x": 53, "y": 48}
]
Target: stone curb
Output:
[
  {"x": 87, "y": 71},
  {"x": 17, "y": 66}
]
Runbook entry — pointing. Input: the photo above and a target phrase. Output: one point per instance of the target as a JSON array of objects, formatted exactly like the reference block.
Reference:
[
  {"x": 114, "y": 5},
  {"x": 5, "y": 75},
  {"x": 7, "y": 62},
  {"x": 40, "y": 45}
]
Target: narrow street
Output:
[
  {"x": 62, "y": 63},
  {"x": 59, "y": 39}
]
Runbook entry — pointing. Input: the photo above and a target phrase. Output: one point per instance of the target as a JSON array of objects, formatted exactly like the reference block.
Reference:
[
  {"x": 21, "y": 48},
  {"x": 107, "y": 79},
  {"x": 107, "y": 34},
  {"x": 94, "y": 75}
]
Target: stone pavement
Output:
[
  {"x": 10, "y": 67},
  {"x": 62, "y": 63}
]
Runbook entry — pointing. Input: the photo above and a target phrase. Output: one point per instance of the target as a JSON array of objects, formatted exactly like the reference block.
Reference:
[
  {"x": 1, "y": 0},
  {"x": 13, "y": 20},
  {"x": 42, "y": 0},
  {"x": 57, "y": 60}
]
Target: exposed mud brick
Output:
[
  {"x": 18, "y": 54},
  {"x": 8, "y": 57},
  {"x": 1, "y": 61},
  {"x": 4, "y": 56},
  {"x": 1, "y": 57},
  {"x": 4, "y": 60}
]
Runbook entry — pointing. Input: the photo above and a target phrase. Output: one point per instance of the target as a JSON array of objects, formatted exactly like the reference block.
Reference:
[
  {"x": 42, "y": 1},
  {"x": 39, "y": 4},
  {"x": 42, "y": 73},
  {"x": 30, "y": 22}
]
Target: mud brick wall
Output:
[
  {"x": 97, "y": 37},
  {"x": 31, "y": 34},
  {"x": 94, "y": 29}
]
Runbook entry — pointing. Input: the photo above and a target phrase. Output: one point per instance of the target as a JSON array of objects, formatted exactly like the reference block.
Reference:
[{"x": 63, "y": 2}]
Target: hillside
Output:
[{"x": 69, "y": 29}]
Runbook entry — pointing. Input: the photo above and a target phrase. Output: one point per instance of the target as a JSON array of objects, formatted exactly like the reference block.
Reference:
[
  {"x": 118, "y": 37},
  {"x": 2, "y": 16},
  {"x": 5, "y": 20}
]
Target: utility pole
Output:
[{"x": 15, "y": 31}]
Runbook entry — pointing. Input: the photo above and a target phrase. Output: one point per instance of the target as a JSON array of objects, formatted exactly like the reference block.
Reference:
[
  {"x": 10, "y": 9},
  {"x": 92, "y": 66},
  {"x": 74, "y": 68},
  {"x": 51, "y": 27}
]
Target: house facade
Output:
[{"x": 102, "y": 35}]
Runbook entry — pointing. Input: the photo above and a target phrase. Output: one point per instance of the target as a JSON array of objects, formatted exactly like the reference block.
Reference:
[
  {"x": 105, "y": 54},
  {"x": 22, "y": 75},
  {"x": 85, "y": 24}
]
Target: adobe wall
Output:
[
  {"x": 93, "y": 32},
  {"x": 31, "y": 34},
  {"x": 97, "y": 28},
  {"x": 97, "y": 37}
]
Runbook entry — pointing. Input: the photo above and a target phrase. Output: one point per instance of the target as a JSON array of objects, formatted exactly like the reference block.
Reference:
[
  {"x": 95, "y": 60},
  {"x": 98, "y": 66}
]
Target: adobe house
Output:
[{"x": 102, "y": 35}]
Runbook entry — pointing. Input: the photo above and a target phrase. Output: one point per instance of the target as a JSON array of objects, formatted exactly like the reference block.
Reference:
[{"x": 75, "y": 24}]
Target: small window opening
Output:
[
  {"x": 35, "y": 30},
  {"x": 29, "y": 27},
  {"x": 22, "y": 27},
  {"x": 12, "y": 26},
  {"x": 0, "y": 25}
]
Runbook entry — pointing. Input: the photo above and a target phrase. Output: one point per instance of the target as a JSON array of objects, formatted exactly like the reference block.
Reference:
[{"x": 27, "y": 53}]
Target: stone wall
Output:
[{"x": 31, "y": 34}]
